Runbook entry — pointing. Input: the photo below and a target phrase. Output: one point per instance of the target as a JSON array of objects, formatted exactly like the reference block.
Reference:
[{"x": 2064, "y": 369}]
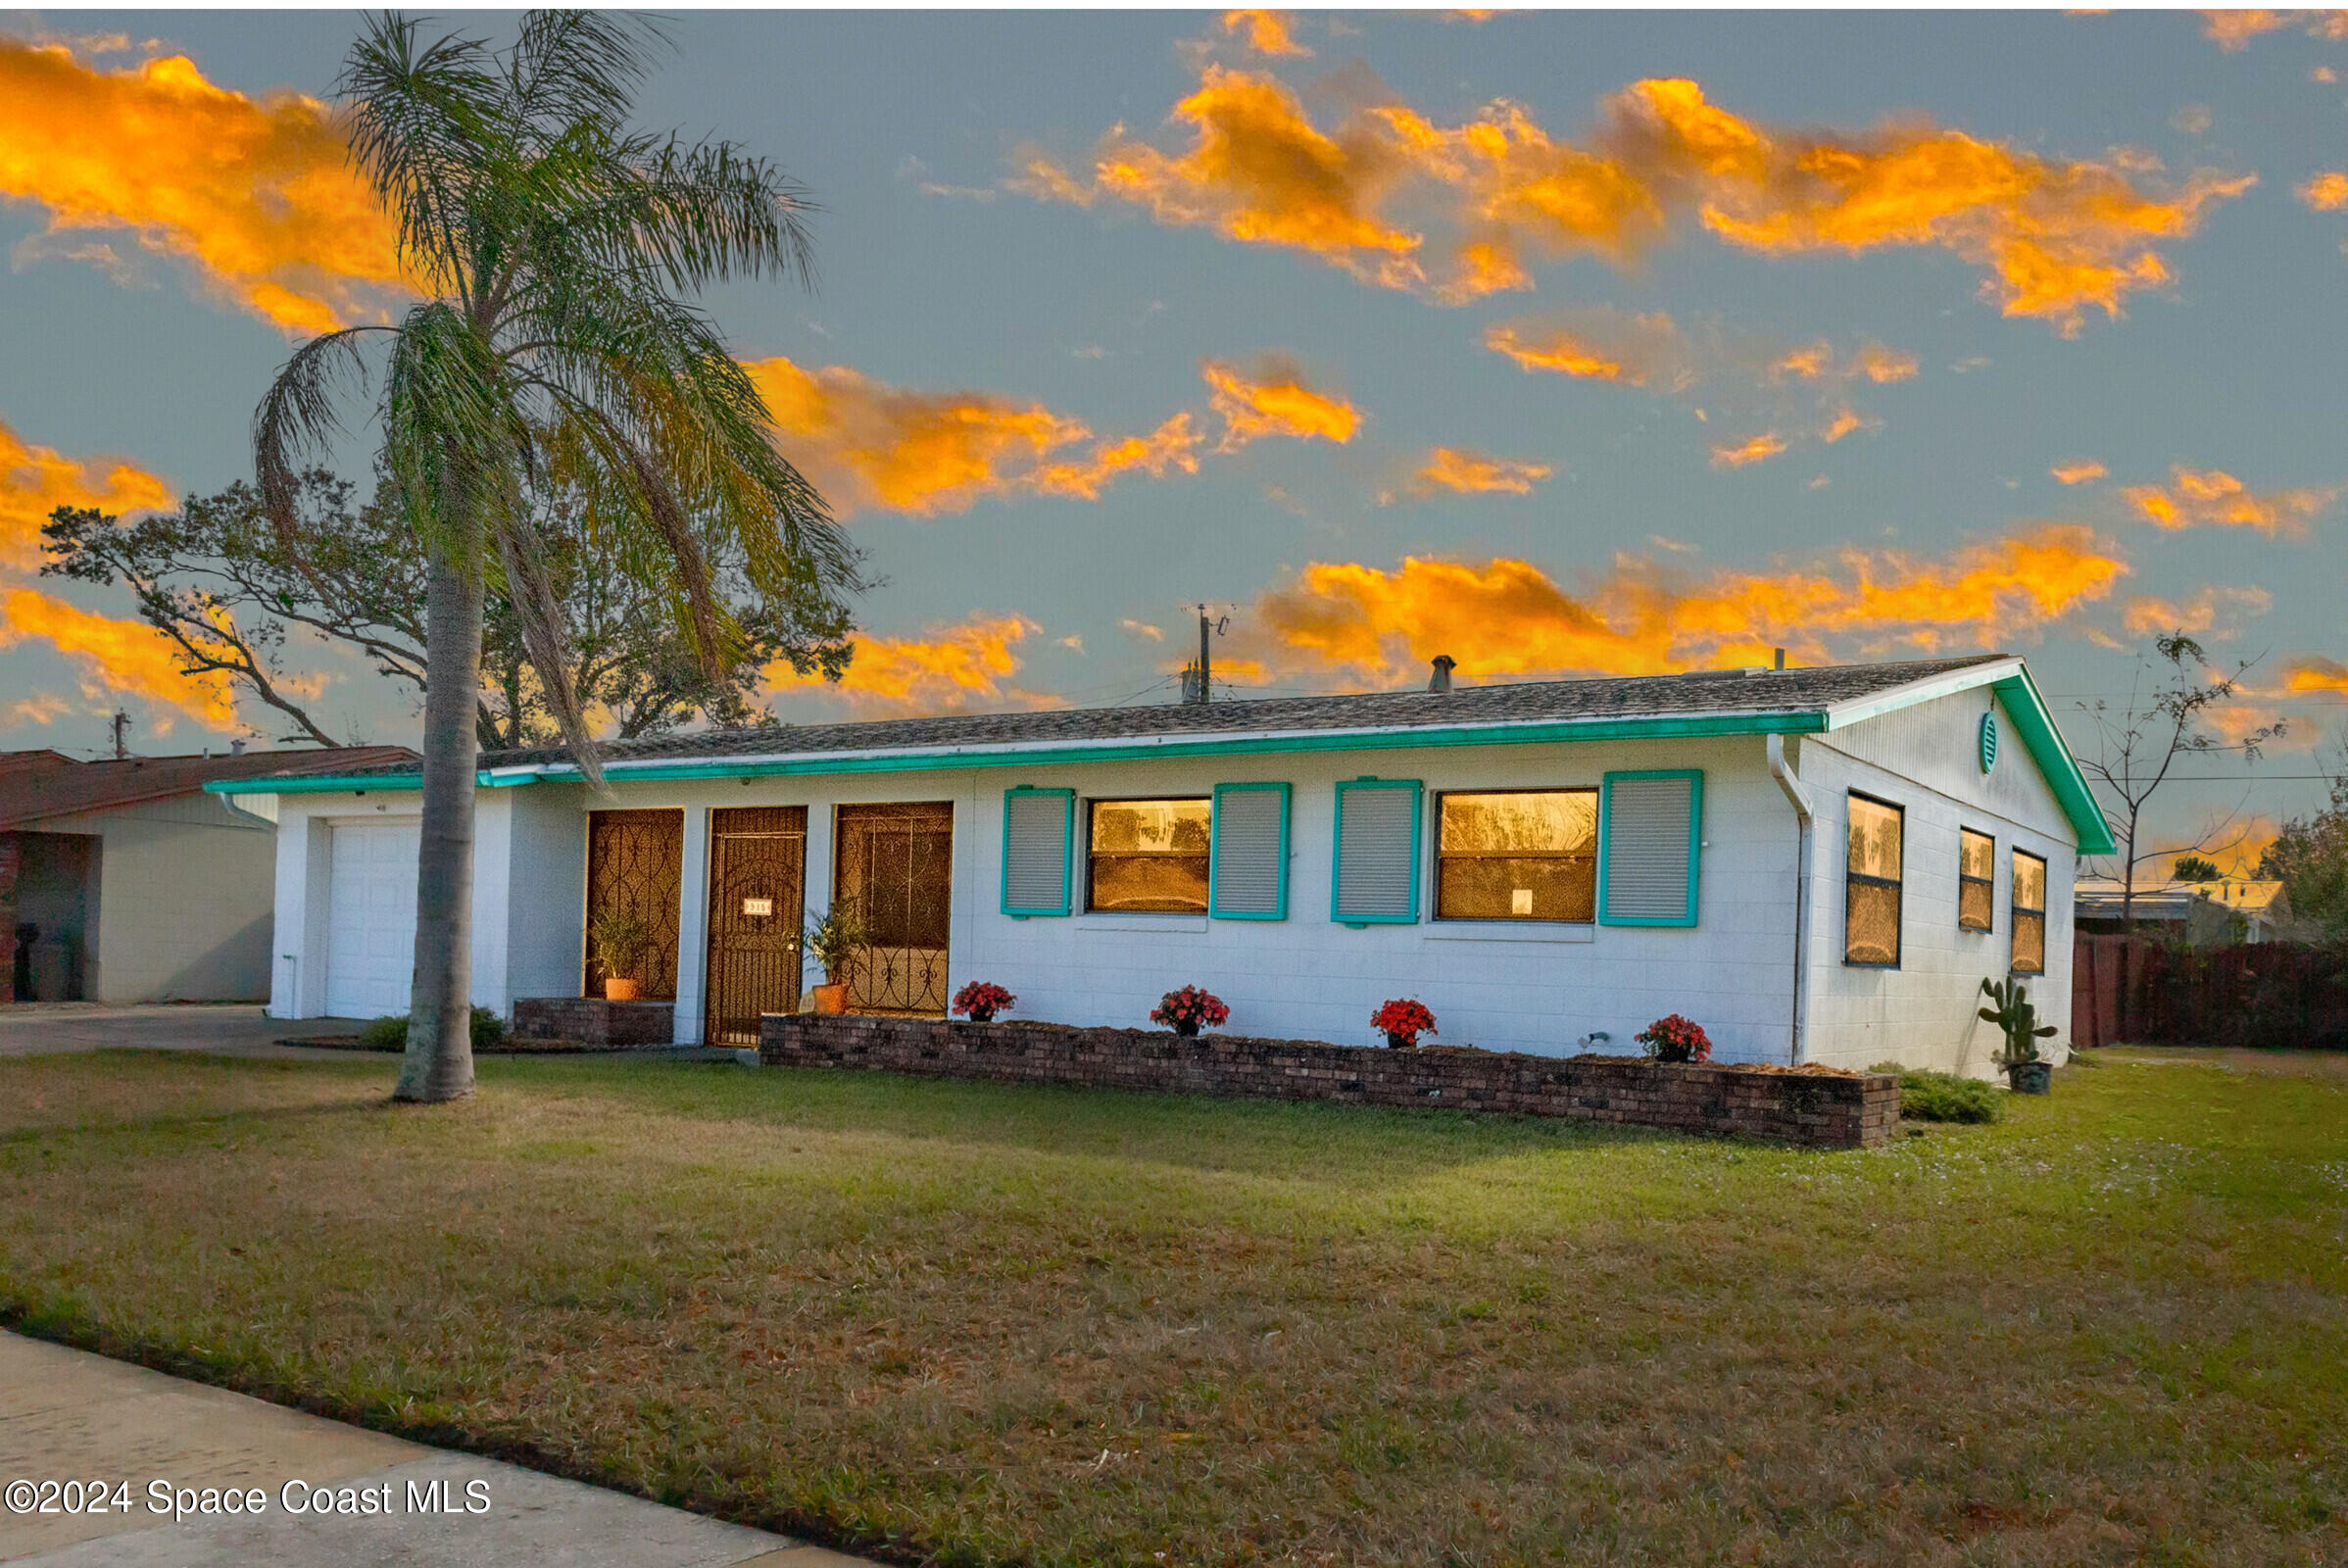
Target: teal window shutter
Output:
[
  {"x": 1651, "y": 846},
  {"x": 1247, "y": 876},
  {"x": 1375, "y": 880},
  {"x": 1039, "y": 850}
]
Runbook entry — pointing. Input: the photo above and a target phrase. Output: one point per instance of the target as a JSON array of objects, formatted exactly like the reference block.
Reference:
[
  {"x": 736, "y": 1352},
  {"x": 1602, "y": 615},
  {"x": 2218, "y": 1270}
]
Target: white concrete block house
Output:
[{"x": 1818, "y": 864}]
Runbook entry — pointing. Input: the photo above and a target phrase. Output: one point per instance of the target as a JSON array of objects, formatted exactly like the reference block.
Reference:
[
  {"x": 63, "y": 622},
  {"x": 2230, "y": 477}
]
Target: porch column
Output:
[{"x": 693, "y": 927}]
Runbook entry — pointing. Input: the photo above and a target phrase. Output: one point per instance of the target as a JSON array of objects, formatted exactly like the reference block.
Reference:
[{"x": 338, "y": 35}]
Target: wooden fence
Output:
[{"x": 2139, "y": 990}]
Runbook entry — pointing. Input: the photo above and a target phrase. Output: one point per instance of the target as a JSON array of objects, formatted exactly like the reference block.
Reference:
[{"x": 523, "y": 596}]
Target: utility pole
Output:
[
  {"x": 1197, "y": 681},
  {"x": 119, "y": 723}
]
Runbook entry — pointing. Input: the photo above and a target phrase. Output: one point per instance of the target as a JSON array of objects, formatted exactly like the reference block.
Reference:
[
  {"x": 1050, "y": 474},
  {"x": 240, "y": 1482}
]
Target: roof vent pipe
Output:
[
  {"x": 236, "y": 748},
  {"x": 1781, "y": 657},
  {"x": 1441, "y": 681}
]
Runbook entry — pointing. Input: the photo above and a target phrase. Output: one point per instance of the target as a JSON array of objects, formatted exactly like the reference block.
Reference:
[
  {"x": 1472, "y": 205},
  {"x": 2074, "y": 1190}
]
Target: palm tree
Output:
[{"x": 557, "y": 254}]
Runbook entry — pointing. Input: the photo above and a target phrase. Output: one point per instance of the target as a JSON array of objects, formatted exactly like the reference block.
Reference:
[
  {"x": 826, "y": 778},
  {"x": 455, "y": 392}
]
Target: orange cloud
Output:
[
  {"x": 1600, "y": 345},
  {"x": 2082, "y": 470},
  {"x": 1883, "y": 366},
  {"x": 256, "y": 194},
  {"x": 951, "y": 670},
  {"x": 127, "y": 658},
  {"x": 2232, "y": 30},
  {"x": 1506, "y": 619},
  {"x": 1259, "y": 172},
  {"x": 37, "y": 480},
  {"x": 1754, "y": 449},
  {"x": 2056, "y": 237},
  {"x": 2326, "y": 192},
  {"x": 2213, "y": 498},
  {"x": 2149, "y": 616},
  {"x": 869, "y": 445},
  {"x": 1846, "y": 422},
  {"x": 1269, "y": 33},
  {"x": 1272, "y": 400},
  {"x": 1473, "y": 474},
  {"x": 2311, "y": 675}
]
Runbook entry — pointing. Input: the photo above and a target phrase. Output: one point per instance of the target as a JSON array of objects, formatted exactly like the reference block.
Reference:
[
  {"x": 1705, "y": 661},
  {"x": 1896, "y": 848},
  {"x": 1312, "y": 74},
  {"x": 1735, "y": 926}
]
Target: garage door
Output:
[{"x": 370, "y": 920}]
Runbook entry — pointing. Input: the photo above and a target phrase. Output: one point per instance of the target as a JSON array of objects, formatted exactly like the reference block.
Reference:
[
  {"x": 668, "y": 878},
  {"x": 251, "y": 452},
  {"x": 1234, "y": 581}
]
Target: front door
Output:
[
  {"x": 758, "y": 887},
  {"x": 895, "y": 868}
]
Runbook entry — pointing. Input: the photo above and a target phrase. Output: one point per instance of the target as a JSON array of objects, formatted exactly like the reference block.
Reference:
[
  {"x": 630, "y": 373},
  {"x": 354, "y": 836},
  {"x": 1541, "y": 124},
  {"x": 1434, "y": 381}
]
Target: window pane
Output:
[
  {"x": 1545, "y": 822},
  {"x": 2030, "y": 882},
  {"x": 2029, "y": 943},
  {"x": 1169, "y": 882},
  {"x": 1149, "y": 854},
  {"x": 1161, "y": 827},
  {"x": 1871, "y": 932},
  {"x": 1973, "y": 903},
  {"x": 1977, "y": 854},
  {"x": 1517, "y": 887},
  {"x": 1875, "y": 839}
]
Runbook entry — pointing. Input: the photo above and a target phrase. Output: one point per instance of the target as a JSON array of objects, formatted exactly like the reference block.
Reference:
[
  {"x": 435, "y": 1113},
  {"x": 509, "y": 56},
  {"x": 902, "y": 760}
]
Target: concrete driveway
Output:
[{"x": 35, "y": 1028}]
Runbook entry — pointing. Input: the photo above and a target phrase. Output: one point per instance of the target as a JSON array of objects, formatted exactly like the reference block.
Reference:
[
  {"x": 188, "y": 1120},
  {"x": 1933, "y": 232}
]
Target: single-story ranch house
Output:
[{"x": 1817, "y": 864}]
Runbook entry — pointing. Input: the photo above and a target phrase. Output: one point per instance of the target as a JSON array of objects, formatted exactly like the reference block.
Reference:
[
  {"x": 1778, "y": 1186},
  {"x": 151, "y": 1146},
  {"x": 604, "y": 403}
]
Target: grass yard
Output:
[{"x": 961, "y": 1323}]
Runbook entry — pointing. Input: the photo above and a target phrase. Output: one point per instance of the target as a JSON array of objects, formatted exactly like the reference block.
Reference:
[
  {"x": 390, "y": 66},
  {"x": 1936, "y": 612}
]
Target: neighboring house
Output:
[
  {"x": 2216, "y": 914},
  {"x": 126, "y": 881},
  {"x": 1816, "y": 864}
]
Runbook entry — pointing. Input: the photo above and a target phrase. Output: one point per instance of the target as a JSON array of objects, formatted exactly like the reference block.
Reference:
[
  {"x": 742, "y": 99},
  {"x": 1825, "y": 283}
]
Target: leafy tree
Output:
[
  {"x": 2310, "y": 857},
  {"x": 556, "y": 252},
  {"x": 2137, "y": 745},
  {"x": 216, "y": 578},
  {"x": 2196, "y": 868}
]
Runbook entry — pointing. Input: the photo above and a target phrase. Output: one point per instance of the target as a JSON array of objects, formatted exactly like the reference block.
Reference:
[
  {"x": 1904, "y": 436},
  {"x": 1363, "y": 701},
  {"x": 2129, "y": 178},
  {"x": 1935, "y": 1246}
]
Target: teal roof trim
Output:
[
  {"x": 1659, "y": 727},
  {"x": 345, "y": 784},
  {"x": 2034, "y": 723}
]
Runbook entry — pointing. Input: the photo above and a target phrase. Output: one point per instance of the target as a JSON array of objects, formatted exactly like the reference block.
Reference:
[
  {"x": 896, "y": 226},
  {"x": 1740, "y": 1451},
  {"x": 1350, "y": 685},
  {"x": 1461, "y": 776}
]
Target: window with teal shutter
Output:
[
  {"x": 1651, "y": 846},
  {"x": 1247, "y": 873},
  {"x": 1038, "y": 838},
  {"x": 1375, "y": 880}
]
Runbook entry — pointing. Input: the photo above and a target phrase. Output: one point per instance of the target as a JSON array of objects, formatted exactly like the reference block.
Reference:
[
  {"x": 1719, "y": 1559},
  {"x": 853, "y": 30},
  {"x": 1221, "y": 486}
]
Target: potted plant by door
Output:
[
  {"x": 2027, "y": 1072},
  {"x": 623, "y": 940},
  {"x": 834, "y": 942}
]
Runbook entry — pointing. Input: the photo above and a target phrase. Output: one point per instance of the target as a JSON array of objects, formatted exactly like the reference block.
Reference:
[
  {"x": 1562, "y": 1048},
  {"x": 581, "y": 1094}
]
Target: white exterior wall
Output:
[
  {"x": 181, "y": 909},
  {"x": 1926, "y": 759},
  {"x": 1505, "y": 986}
]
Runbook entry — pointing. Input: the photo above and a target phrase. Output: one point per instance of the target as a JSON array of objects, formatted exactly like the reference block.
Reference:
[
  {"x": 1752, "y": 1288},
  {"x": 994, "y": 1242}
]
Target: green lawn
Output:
[{"x": 967, "y": 1324}]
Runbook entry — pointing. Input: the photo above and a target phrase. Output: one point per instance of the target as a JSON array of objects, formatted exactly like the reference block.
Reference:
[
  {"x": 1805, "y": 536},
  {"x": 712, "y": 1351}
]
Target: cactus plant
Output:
[{"x": 2018, "y": 1018}]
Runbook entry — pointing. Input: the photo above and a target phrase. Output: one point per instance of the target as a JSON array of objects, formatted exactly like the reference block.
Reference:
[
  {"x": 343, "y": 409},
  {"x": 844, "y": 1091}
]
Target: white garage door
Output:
[{"x": 370, "y": 920}]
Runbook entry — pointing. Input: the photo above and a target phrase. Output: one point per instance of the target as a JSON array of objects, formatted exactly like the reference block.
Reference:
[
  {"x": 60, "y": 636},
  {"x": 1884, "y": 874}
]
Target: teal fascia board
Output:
[
  {"x": 1695, "y": 842},
  {"x": 1418, "y": 814},
  {"x": 2034, "y": 723},
  {"x": 1067, "y": 800},
  {"x": 1214, "y": 855}
]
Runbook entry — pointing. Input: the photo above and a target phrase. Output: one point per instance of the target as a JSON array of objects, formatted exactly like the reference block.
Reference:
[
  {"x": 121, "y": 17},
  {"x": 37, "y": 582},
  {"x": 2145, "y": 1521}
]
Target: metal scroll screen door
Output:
[
  {"x": 896, "y": 866},
  {"x": 758, "y": 883},
  {"x": 635, "y": 863}
]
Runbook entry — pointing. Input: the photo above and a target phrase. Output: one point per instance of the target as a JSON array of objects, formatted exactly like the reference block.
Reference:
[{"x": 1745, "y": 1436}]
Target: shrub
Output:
[
  {"x": 1942, "y": 1096},
  {"x": 1676, "y": 1039},
  {"x": 981, "y": 1000},
  {"x": 391, "y": 1034},
  {"x": 1403, "y": 1021},
  {"x": 1189, "y": 1009}
]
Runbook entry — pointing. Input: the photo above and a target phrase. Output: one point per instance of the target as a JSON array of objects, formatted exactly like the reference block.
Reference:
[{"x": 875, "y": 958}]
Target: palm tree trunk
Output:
[{"x": 439, "y": 1064}]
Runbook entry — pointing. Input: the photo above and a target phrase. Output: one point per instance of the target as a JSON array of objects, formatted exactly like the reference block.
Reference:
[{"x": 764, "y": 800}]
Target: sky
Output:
[{"x": 1561, "y": 343}]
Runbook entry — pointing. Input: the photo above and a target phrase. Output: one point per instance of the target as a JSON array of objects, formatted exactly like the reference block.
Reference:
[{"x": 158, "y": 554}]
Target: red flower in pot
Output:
[
  {"x": 1676, "y": 1039},
  {"x": 1403, "y": 1020},
  {"x": 1189, "y": 1009},
  {"x": 981, "y": 1000}
]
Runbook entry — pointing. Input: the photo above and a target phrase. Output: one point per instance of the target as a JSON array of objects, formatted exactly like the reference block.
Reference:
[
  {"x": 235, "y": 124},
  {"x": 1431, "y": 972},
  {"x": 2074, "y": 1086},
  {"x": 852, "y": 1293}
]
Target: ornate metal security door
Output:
[
  {"x": 758, "y": 888},
  {"x": 635, "y": 861},
  {"x": 894, "y": 863}
]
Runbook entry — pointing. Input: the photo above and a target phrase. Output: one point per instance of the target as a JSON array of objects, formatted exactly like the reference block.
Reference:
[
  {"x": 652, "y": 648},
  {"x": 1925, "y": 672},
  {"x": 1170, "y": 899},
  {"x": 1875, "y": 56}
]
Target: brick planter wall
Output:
[
  {"x": 593, "y": 1021},
  {"x": 1829, "y": 1110}
]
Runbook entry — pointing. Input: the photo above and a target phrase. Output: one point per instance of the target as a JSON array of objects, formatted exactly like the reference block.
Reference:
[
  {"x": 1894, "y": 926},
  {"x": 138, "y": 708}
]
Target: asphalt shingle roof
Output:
[
  {"x": 1803, "y": 690},
  {"x": 39, "y": 785}
]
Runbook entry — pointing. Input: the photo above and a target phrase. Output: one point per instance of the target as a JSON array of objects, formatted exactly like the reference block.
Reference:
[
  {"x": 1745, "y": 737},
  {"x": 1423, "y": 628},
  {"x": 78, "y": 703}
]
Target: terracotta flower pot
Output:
[
  {"x": 618, "y": 988},
  {"x": 832, "y": 998}
]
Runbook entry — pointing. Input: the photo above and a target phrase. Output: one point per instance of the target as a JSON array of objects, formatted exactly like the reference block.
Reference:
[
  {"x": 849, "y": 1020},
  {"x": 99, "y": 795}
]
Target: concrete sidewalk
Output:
[
  {"x": 66, "y": 1415},
  {"x": 237, "y": 1029}
]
